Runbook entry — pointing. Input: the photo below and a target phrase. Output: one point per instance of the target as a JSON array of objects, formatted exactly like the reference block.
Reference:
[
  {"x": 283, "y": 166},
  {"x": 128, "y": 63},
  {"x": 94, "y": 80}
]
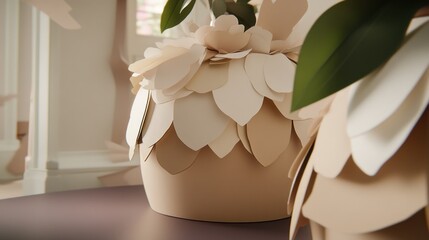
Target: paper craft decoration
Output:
[
  {"x": 370, "y": 159},
  {"x": 58, "y": 11},
  {"x": 219, "y": 133}
]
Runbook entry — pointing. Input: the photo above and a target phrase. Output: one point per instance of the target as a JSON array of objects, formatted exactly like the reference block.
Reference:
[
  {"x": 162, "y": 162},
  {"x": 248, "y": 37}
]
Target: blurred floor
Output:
[{"x": 11, "y": 189}]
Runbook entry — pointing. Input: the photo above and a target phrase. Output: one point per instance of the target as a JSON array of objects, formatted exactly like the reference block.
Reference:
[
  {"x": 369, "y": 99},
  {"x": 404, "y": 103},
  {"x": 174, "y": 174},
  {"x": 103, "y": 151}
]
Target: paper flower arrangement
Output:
[
  {"x": 367, "y": 175},
  {"x": 224, "y": 86}
]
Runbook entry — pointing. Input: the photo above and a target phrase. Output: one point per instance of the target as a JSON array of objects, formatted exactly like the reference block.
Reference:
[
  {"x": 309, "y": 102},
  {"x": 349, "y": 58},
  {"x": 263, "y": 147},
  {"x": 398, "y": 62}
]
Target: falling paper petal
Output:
[
  {"x": 279, "y": 72},
  {"x": 208, "y": 78},
  {"x": 198, "y": 121},
  {"x": 280, "y": 17},
  {"x": 332, "y": 147},
  {"x": 225, "y": 142},
  {"x": 172, "y": 154},
  {"x": 137, "y": 116},
  {"x": 255, "y": 72},
  {"x": 378, "y": 98},
  {"x": 372, "y": 149},
  {"x": 158, "y": 123},
  {"x": 269, "y": 134},
  {"x": 237, "y": 98}
]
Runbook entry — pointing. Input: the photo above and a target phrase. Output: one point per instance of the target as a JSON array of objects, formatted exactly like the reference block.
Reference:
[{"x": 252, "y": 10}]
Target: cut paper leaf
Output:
[
  {"x": 208, "y": 78},
  {"x": 237, "y": 98},
  {"x": 279, "y": 17},
  {"x": 357, "y": 37},
  {"x": 174, "y": 13},
  {"x": 372, "y": 149},
  {"x": 58, "y": 11},
  {"x": 226, "y": 141},
  {"x": 198, "y": 121},
  {"x": 303, "y": 129},
  {"x": 157, "y": 123},
  {"x": 172, "y": 154},
  {"x": 242, "y": 134},
  {"x": 137, "y": 116},
  {"x": 255, "y": 72},
  {"x": 332, "y": 148},
  {"x": 398, "y": 191},
  {"x": 284, "y": 107},
  {"x": 279, "y": 72},
  {"x": 260, "y": 40},
  {"x": 269, "y": 134},
  {"x": 377, "y": 98}
]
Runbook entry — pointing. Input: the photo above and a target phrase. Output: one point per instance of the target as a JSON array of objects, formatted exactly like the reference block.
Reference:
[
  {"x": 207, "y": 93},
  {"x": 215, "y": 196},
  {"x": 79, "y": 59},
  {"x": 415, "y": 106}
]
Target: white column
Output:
[{"x": 9, "y": 144}]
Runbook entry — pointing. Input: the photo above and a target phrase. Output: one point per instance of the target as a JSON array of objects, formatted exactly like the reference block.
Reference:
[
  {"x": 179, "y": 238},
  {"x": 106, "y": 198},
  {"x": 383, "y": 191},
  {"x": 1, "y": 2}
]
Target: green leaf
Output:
[
  {"x": 218, "y": 7},
  {"x": 173, "y": 14},
  {"x": 244, "y": 12},
  {"x": 347, "y": 42}
]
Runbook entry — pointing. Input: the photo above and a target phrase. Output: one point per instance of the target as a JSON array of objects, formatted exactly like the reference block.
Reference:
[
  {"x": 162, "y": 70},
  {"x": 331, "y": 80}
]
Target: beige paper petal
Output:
[
  {"x": 236, "y": 55},
  {"x": 280, "y": 17},
  {"x": 260, "y": 40},
  {"x": 390, "y": 86},
  {"x": 297, "y": 220},
  {"x": 159, "y": 97},
  {"x": 316, "y": 109},
  {"x": 303, "y": 129},
  {"x": 147, "y": 64},
  {"x": 175, "y": 70},
  {"x": 279, "y": 73},
  {"x": 145, "y": 152},
  {"x": 58, "y": 11},
  {"x": 158, "y": 123},
  {"x": 300, "y": 157},
  {"x": 198, "y": 121},
  {"x": 137, "y": 116},
  {"x": 398, "y": 191},
  {"x": 184, "y": 42},
  {"x": 242, "y": 134},
  {"x": 223, "y": 145},
  {"x": 332, "y": 147},
  {"x": 208, "y": 78},
  {"x": 236, "y": 29},
  {"x": 172, "y": 154},
  {"x": 226, "y": 42},
  {"x": 372, "y": 149},
  {"x": 237, "y": 98},
  {"x": 284, "y": 107},
  {"x": 255, "y": 71},
  {"x": 201, "y": 33},
  {"x": 225, "y": 22},
  {"x": 269, "y": 134},
  {"x": 180, "y": 86}
]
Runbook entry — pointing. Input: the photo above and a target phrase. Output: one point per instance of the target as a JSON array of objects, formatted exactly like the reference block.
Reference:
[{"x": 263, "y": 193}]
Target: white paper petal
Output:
[
  {"x": 260, "y": 40},
  {"x": 159, "y": 97},
  {"x": 242, "y": 134},
  {"x": 372, "y": 149},
  {"x": 235, "y": 55},
  {"x": 172, "y": 154},
  {"x": 237, "y": 98},
  {"x": 198, "y": 121},
  {"x": 209, "y": 77},
  {"x": 158, "y": 123},
  {"x": 378, "y": 98},
  {"x": 255, "y": 71},
  {"x": 137, "y": 116},
  {"x": 279, "y": 73},
  {"x": 332, "y": 148},
  {"x": 269, "y": 134},
  {"x": 280, "y": 17},
  {"x": 226, "y": 141},
  {"x": 147, "y": 64},
  {"x": 180, "y": 86},
  {"x": 284, "y": 107},
  {"x": 225, "y": 22}
]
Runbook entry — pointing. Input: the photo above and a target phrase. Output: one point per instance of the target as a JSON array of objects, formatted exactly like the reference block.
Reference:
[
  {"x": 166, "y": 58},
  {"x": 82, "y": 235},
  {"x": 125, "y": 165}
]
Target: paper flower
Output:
[
  {"x": 223, "y": 87},
  {"x": 371, "y": 153}
]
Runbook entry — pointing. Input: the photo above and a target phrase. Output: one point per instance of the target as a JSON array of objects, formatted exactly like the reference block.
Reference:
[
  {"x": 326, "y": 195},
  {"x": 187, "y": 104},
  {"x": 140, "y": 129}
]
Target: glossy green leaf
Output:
[
  {"x": 346, "y": 43},
  {"x": 244, "y": 12},
  {"x": 218, "y": 7},
  {"x": 174, "y": 13}
]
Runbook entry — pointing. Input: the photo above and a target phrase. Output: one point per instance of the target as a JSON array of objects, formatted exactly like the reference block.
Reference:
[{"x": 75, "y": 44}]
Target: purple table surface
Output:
[{"x": 117, "y": 213}]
